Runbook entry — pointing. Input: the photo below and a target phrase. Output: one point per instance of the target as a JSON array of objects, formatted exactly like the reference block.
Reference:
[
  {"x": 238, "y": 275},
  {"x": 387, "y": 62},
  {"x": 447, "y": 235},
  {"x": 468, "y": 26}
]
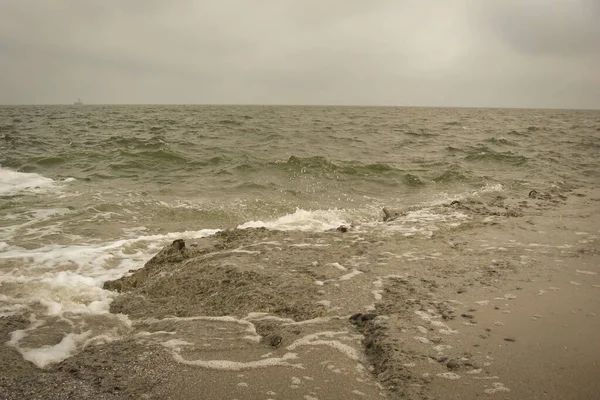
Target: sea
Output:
[{"x": 89, "y": 193}]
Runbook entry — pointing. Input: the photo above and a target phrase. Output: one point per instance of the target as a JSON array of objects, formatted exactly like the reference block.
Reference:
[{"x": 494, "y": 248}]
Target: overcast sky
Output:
[{"x": 502, "y": 53}]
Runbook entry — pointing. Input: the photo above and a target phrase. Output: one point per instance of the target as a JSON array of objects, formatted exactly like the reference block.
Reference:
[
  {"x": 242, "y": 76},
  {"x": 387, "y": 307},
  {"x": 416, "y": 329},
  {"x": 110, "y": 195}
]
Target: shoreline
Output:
[{"x": 423, "y": 323}]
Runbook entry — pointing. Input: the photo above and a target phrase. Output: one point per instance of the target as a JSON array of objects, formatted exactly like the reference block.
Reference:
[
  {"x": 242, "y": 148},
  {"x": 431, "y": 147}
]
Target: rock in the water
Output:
[
  {"x": 390, "y": 215},
  {"x": 178, "y": 244}
]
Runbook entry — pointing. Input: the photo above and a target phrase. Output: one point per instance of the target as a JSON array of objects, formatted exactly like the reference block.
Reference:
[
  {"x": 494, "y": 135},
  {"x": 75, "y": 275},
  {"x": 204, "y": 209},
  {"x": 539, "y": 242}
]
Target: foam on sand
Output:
[
  {"x": 250, "y": 328},
  {"x": 48, "y": 354},
  {"x": 350, "y": 275},
  {"x": 81, "y": 334},
  {"x": 496, "y": 387},
  {"x": 449, "y": 375},
  {"x": 314, "y": 340},
  {"x": 586, "y": 272},
  {"x": 226, "y": 365},
  {"x": 60, "y": 286}
]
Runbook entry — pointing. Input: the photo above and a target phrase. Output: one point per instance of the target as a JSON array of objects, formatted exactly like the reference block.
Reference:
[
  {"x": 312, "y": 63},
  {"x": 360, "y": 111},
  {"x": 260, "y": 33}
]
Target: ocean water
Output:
[{"x": 89, "y": 193}]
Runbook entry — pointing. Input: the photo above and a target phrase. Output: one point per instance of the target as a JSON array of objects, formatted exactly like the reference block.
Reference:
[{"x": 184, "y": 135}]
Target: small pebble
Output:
[{"x": 453, "y": 365}]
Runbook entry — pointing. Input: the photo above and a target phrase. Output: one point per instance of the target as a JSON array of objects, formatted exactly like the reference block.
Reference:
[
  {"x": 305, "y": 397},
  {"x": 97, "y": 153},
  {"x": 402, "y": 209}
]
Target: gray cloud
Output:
[
  {"x": 391, "y": 52},
  {"x": 559, "y": 28}
]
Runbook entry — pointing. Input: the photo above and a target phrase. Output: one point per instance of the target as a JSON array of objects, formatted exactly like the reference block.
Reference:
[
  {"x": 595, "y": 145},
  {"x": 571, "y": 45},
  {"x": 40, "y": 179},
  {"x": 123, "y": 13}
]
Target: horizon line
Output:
[{"x": 298, "y": 105}]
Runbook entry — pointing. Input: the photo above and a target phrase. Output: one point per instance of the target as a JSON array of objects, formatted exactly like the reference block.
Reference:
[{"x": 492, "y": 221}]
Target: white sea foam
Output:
[
  {"x": 94, "y": 263},
  {"x": 13, "y": 182},
  {"x": 65, "y": 282},
  {"x": 445, "y": 198},
  {"x": 30, "y": 223},
  {"x": 420, "y": 223},
  {"x": 302, "y": 220}
]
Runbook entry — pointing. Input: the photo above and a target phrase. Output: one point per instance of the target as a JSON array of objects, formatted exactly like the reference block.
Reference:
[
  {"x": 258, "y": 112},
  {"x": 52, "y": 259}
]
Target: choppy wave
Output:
[
  {"x": 452, "y": 174},
  {"x": 137, "y": 142},
  {"x": 484, "y": 153},
  {"x": 157, "y": 156},
  {"x": 501, "y": 141},
  {"x": 320, "y": 165},
  {"x": 413, "y": 180}
]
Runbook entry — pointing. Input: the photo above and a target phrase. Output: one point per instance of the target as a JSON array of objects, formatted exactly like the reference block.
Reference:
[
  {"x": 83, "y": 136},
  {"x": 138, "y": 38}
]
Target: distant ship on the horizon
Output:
[{"x": 78, "y": 102}]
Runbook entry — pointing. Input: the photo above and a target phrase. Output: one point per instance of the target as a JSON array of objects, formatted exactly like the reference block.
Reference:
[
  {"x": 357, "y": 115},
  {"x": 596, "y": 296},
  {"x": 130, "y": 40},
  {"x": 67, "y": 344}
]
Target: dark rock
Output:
[
  {"x": 453, "y": 365},
  {"x": 510, "y": 339},
  {"x": 360, "y": 318},
  {"x": 342, "y": 229},
  {"x": 178, "y": 244},
  {"x": 355, "y": 317},
  {"x": 390, "y": 215},
  {"x": 114, "y": 286},
  {"x": 513, "y": 213},
  {"x": 461, "y": 290},
  {"x": 274, "y": 340}
]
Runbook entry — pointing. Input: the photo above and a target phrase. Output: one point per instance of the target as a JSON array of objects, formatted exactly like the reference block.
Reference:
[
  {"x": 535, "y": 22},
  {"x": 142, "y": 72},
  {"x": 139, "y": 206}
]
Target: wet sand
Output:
[
  {"x": 505, "y": 306},
  {"x": 541, "y": 344}
]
